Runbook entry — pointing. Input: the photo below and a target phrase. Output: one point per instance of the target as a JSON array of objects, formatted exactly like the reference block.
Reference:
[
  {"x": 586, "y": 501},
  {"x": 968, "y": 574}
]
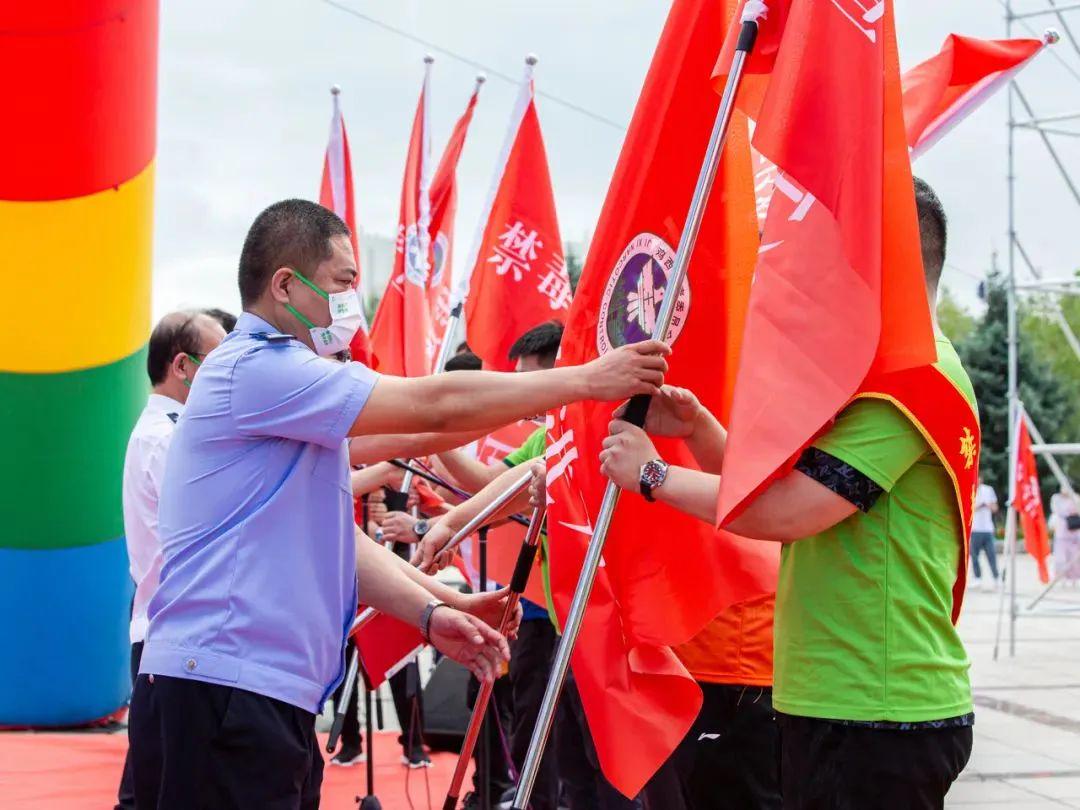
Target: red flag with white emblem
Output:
[
  {"x": 441, "y": 230},
  {"x": 518, "y": 276},
  {"x": 665, "y": 574},
  {"x": 839, "y": 288},
  {"x": 336, "y": 193},
  {"x": 1027, "y": 500},
  {"x": 403, "y": 336}
]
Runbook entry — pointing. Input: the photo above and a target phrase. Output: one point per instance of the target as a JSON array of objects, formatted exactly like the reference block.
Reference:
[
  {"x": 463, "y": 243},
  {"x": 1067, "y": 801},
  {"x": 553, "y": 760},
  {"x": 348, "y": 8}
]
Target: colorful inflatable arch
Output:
[{"x": 76, "y": 214}]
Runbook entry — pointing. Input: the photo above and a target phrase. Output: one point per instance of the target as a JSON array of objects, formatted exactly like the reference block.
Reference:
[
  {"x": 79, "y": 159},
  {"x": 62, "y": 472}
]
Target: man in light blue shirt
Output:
[{"x": 262, "y": 559}]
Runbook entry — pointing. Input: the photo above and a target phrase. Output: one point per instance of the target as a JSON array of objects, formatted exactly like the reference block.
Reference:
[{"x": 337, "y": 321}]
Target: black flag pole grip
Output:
[
  {"x": 747, "y": 37},
  {"x": 637, "y": 409}
]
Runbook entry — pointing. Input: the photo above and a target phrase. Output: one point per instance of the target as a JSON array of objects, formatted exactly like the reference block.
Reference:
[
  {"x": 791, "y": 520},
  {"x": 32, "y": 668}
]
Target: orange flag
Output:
[
  {"x": 402, "y": 335},
  {"x": 949, "y": 86},
  {"x": 1027, "y": 500},
  {"x": 665, "y": 574},
  {"x": 336, "y": 193},
  {"x": 839, "y": 289},
  {"x": 518, "y": 276}
]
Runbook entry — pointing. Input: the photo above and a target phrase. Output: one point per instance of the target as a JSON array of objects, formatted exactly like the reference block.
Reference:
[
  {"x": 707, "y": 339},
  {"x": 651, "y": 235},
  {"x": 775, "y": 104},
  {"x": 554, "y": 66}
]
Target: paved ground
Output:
[{"x": 1027, "y": 727}]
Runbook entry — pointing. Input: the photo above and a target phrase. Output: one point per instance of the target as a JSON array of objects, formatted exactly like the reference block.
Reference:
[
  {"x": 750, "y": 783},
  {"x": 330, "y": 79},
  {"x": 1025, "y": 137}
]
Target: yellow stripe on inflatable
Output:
[{"x": 77, "y": 278}]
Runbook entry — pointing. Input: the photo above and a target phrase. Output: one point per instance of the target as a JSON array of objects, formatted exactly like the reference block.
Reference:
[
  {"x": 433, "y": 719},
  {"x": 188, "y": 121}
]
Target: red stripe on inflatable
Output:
[{"x": 79, "y": 96}]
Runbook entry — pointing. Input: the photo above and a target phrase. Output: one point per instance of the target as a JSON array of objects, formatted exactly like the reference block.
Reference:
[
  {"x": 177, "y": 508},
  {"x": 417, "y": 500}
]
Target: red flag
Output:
[
  {"x": 839, "y": 288},
  {"x": 518, "y": 276},
  {"x": 665, "y": 574},
  {"x": 441, "y": 230},
  {"x": 384, "y": 645},
  {"x": 336, "y": 193},
  {"x": 1027, "y": 500},
  {"x": 402, "y": 334},
  {"x": 945, "y": 89}
]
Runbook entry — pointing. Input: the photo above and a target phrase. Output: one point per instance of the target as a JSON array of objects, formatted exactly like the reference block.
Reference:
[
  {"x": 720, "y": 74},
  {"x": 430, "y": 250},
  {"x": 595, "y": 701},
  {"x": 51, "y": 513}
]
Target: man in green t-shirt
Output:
[{"x": 871, "y": 679}]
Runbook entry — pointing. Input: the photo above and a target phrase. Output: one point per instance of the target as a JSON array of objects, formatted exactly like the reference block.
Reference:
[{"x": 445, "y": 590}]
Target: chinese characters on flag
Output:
[
  {"x": 1027, "y": 500},
  {"x": 518, "y": 276}
]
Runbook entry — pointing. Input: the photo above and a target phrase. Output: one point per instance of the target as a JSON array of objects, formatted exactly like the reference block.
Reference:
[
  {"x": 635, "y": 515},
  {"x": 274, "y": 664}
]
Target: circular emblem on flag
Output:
[
  {"x": 635, "y": 292},
  {"x": 416, "y": 264},
  {"x": 439, "y": 250}
]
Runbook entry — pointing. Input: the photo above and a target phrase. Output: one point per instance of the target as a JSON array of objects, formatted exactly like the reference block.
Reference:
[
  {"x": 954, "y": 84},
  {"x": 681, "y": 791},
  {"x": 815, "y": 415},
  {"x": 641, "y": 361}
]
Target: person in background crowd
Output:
[
  {"x": 224, "y": 317},
  {"x": 177, "y": 347},
  {"x": 982, "y": 535},
  {"x": 1065, "y": 525}
]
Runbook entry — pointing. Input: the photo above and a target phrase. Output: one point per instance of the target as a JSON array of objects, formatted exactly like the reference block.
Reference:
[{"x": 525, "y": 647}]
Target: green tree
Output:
[{"x": 985, "y": 353}]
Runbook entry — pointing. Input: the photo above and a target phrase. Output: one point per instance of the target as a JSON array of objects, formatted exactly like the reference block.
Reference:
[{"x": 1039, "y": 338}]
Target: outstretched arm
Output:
[
  {"x": 484, "y": 400},
  {"x": 386, "y": 584},
  {"x": 793, "y": 507},
  {"x": 380, "y": 447},
  {"x": 470, "y": 474},
  {"x": 430, "y": 554}
]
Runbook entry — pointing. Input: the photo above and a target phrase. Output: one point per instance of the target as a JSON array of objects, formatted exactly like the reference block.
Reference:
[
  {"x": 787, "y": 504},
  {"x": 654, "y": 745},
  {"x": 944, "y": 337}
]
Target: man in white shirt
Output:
[
  {"x": 982, "y": 534},
  {"x": 177, "y": 347}
]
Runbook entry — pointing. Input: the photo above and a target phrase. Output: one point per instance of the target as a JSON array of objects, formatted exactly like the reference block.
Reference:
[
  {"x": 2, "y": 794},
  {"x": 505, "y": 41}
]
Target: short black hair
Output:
[
  {"x": 225, "y": 318},
  {"x": 176, "y": 333},
  {"x": 465, "y": 361},
  {"x": 290, "y": 233},
  {"x": 933, "y": 230},
  {"x": 541, "y": 341}
]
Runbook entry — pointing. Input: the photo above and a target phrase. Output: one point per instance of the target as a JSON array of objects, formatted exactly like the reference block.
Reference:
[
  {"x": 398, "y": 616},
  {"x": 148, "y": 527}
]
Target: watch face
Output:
[{"x": 653, "y": 473}]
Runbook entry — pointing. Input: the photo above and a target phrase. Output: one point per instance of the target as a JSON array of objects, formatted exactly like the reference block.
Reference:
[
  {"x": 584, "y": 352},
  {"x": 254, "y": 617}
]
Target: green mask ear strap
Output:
[
  {"x": 314, "y": 287},
  {"x": 299, "y": 316},
  {"x": 193, "y": 358}
]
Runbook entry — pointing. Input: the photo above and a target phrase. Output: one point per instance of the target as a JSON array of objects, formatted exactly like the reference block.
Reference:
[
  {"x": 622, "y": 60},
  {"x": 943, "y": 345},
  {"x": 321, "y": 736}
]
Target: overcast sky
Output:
[{"x": 244, "y": 112}]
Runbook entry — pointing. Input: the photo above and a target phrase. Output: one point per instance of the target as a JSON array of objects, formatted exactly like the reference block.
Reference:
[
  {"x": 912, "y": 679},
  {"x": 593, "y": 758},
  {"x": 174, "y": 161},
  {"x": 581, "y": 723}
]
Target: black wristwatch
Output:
[
  {"x": 420, "y": 528},
  {"x": 425, "y": 618},
  {"x": 653, "y": 475}
]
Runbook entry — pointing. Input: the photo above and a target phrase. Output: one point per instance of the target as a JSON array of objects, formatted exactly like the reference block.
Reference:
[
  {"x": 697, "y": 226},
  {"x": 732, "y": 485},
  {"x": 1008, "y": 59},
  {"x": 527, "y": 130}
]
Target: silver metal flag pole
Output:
[{"x": 636, "y": 412}]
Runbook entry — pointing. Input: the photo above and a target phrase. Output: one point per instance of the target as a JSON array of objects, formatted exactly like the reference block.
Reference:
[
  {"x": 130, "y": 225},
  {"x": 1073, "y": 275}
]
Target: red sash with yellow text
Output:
[{"x": 950, "y": 425}]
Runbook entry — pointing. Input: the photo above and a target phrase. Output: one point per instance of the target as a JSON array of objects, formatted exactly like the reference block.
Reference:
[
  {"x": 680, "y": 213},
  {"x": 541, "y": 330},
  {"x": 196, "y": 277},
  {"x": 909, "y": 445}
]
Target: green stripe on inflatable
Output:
[{"x": 63, "y": 441}]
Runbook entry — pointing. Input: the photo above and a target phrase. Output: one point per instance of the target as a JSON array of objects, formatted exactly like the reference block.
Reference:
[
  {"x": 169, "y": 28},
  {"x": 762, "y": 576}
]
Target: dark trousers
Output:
[
  {"x": 729, "y": 760},
  {"x": 409, "y": 705},
  {"x": 828, "y": 766},
  {"x": 530, "y": 666},
  {"x": 202, "y": 746},
  {"x": 126, "y": 794},
  {"x": 584, "y": 786},
  {"x": 499, "y": 717},
  {"x": 983, "y": 542}
]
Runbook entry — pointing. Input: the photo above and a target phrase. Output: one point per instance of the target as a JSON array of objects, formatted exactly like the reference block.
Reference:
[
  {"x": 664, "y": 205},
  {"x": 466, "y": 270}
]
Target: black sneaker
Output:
[
  {"x": 417, "y": 758},
  {"x": 347, "y": 756}
]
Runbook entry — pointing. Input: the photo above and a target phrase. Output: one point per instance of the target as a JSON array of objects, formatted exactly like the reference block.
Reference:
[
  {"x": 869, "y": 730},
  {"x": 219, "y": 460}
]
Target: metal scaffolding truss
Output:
[{"x": 1046, "y": 127}]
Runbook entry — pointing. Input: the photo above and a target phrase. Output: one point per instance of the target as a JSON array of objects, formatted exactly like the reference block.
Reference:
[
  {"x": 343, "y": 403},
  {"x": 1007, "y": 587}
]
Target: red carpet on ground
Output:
[{"x": 72, "y": 771}]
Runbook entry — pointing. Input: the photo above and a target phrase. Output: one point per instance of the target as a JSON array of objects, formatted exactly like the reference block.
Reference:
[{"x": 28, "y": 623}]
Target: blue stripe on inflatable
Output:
[{"x": 64, "y": 650}]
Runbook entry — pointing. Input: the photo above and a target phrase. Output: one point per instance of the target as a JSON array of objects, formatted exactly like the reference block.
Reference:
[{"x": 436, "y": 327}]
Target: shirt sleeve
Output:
[
  {"x": 533, "y": 447},
  {"x": 876, "y": 439},
  {"x": 288, "y": 391}
]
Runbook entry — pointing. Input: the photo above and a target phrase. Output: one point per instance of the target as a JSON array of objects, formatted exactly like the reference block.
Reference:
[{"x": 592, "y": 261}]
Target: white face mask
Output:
[{"x": 345, "y": 319}]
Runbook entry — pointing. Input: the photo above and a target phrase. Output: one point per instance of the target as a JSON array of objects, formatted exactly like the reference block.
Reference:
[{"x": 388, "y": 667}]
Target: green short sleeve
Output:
[
  {"x": 877, "y": 439},
  {"x": 533, "y": 447}
]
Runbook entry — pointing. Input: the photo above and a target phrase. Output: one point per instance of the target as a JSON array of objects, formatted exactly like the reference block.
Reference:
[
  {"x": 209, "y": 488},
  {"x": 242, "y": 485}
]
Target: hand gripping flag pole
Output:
[
  {"x": 638, "y": 407},
  {"x": 367, "y": 614},
  {"x": 522, "y": 569}
]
